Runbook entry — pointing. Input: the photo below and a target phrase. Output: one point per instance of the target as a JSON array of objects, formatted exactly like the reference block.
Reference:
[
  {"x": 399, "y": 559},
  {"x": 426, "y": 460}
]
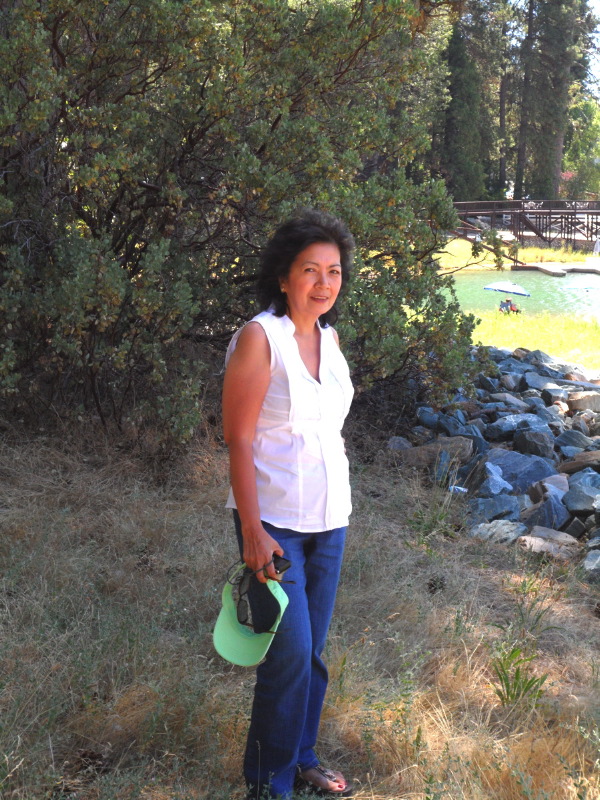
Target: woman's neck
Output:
[{"x": 305, "y": 326}]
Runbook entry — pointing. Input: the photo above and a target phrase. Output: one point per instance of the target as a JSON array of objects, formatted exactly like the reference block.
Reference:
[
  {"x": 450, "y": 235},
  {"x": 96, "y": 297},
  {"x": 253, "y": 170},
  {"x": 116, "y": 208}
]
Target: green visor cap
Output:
[{"x": 238, "y": 643}]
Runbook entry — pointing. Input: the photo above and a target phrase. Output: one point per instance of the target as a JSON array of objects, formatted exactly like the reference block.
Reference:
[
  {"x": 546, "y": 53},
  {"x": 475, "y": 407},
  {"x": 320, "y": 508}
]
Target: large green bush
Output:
[{"x": 148, "y": 149}]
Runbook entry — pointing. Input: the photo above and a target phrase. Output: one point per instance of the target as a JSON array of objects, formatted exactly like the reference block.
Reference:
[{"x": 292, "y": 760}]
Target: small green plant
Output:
[
  {"x": 438, "y": 517},
  {"x": 530, "y": 616},
  {"x": 528, "y": 623},
  {"x": 515, "y": 683},
  {"x": 526, "y": 784},
  {"x": 461, "y": 625},
  {"x": 427, "y": 522},
  {"x": 529, "y": 585},
  {"x": 433, "y": 788}
]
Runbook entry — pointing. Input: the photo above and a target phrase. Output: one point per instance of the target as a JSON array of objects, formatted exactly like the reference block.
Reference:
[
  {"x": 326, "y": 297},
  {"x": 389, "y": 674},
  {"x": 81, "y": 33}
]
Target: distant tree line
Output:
[{"x": 522, "y": 117}]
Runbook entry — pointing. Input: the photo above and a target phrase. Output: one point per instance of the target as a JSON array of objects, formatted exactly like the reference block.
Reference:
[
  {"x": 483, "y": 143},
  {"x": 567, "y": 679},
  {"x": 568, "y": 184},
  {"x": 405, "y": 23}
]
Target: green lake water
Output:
[{"x": 576, "y": 294}]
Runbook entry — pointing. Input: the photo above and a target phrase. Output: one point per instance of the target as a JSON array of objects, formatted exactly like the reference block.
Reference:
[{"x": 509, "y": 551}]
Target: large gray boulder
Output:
[
  {"x": 574, "y": 438},
  {"x": 550, "y": 372},
  {"x": 518, "y": 469},
  {"x": 550, "y": 395},
  {"x": 427, "y": 417},
  {"x": 503, "y": 506},
  {"x": 487, "y": 383},
  {"x": 513, "y": 366},
  {"x": 580, "y": 499},
  {"x": 504, "y": 427},
  {"x": 591, "y": 566},
  {"x": 500, "y": 531},
  {"x": 586, "y": 477},
  {"x": 558, "y": 485},
  {"x": 480, "y": 445},
  {"x": 569, "y": 452},
  {"x": 534, "y": 443},
  {"x": 594, "y": 544},
  {"x": 450, "y": 425},
  {"x": 553, "y": 417},
  {"x": 510, "y": 381},
  {"x": 498, "y": 353},
  {"x": 510, "y": 400},
  {"x": 579, "y": 423},
  {"x": 536, "y": 357},
  {"x": 550, "y": 513},
  {"x": 550, "y": 542},
  {"x": 580, "y": 401},
  {"x": 575, "y": 528},
  {"x": 494, "y": 484},
  {"x": 531, "y": 380}
]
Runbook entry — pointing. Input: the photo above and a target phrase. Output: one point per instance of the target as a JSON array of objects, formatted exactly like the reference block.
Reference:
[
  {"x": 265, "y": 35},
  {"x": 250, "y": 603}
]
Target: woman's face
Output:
[{"x": 314, "y": 280}]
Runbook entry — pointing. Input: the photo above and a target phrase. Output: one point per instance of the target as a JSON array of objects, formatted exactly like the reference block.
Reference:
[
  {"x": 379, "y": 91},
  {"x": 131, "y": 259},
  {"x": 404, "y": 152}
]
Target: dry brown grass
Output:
[{"x": 111, "y": 689}]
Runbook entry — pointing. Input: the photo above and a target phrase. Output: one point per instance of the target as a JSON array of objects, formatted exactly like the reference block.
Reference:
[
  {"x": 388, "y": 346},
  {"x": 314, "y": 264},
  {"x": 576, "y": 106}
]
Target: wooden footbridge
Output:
[{"x": 574, "y": 223}]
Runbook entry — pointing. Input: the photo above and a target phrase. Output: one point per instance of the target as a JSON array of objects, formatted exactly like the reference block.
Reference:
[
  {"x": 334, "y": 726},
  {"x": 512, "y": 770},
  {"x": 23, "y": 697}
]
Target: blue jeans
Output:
[{"x": 291, "y": 681}]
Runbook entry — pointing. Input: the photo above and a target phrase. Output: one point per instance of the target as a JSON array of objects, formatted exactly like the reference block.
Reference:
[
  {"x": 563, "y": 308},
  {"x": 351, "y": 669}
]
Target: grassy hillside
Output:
[
  {"x": 457, "y": 253},
  {"x": 574, "y": 339},
  {"x": 111, "y": 689}
]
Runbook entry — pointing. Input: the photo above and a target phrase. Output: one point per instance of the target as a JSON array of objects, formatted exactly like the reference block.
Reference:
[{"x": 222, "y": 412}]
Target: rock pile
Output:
[{"x": 525, "y": 446}]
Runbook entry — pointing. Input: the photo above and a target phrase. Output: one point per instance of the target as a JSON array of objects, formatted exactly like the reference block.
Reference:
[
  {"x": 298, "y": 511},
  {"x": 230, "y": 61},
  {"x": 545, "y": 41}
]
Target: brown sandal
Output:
[{"x": 319, "y": 791}]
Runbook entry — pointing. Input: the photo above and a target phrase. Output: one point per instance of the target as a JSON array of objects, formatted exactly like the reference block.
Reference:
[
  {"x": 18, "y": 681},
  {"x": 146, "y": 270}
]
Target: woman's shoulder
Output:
[
  {"x": 252, "y": 333},
  {"x": 251, "y": 339},
  {"x": 328, "y": 332}
]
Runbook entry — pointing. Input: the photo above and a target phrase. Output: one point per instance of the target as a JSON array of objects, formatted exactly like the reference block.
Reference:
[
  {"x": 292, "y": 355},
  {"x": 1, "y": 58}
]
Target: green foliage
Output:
[
  {"x": 560, "y": 28},
  {"x": 494, "y": 245},
  {"x": 147, "y": 151},
  {"x": 581, "y": 162},
  {"x": 515, "y": 682},
  {"x": 498, "y": 247},
  {"x": 461, "y": 162},
  {"x": 515, "y": 71}
]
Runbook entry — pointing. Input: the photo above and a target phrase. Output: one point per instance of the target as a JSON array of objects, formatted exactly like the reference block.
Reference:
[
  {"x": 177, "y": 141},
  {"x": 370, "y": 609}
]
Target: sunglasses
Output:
[
  {"x": 242, "y": 605},
  {"x": 239, "y": 576}
]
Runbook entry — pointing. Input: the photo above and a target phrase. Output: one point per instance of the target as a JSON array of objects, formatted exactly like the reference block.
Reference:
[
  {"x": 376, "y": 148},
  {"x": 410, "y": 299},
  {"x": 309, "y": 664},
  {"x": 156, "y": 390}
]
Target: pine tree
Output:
[
  {"x": 581, "y": 162},
  {"x": 525, "y": 112},
  {"x": 461, "y": 160},
  {"x": 561, "y": 28}
]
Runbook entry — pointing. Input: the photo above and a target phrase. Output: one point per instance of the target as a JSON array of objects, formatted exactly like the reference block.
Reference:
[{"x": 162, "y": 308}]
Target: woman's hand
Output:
[{"x": 259, "y": 548}]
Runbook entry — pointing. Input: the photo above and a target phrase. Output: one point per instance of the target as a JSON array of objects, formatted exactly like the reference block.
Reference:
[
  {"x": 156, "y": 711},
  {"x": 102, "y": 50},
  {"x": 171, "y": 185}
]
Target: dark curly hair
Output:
[{"x": 291, "y": 238}]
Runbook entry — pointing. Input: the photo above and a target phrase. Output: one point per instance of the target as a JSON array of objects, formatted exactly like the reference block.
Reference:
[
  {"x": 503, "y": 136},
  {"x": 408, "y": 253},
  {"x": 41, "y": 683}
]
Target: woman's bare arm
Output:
[{"x": 246, "y": 381}]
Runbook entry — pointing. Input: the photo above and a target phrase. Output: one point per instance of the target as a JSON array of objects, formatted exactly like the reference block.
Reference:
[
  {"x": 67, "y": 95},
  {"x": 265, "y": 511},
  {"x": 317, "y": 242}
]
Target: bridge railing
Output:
[
  {"x": 571, "y": 222},
  {"x": 506, "y": 206}
]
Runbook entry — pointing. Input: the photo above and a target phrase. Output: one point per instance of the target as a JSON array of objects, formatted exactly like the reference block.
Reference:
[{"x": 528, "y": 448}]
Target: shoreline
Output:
[
  {"x": 558, "y": 269},
  {"x": 555, "y": 269}
]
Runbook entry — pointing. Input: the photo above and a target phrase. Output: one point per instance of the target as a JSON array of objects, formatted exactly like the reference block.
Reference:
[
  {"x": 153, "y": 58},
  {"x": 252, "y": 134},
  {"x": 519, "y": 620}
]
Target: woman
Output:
[{"x": 286, "y": 394}]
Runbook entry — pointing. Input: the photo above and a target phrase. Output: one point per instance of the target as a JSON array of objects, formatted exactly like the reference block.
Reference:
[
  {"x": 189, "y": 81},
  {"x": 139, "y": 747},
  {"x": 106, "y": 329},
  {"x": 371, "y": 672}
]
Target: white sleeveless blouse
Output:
[{"x": 301, "y": 468}]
